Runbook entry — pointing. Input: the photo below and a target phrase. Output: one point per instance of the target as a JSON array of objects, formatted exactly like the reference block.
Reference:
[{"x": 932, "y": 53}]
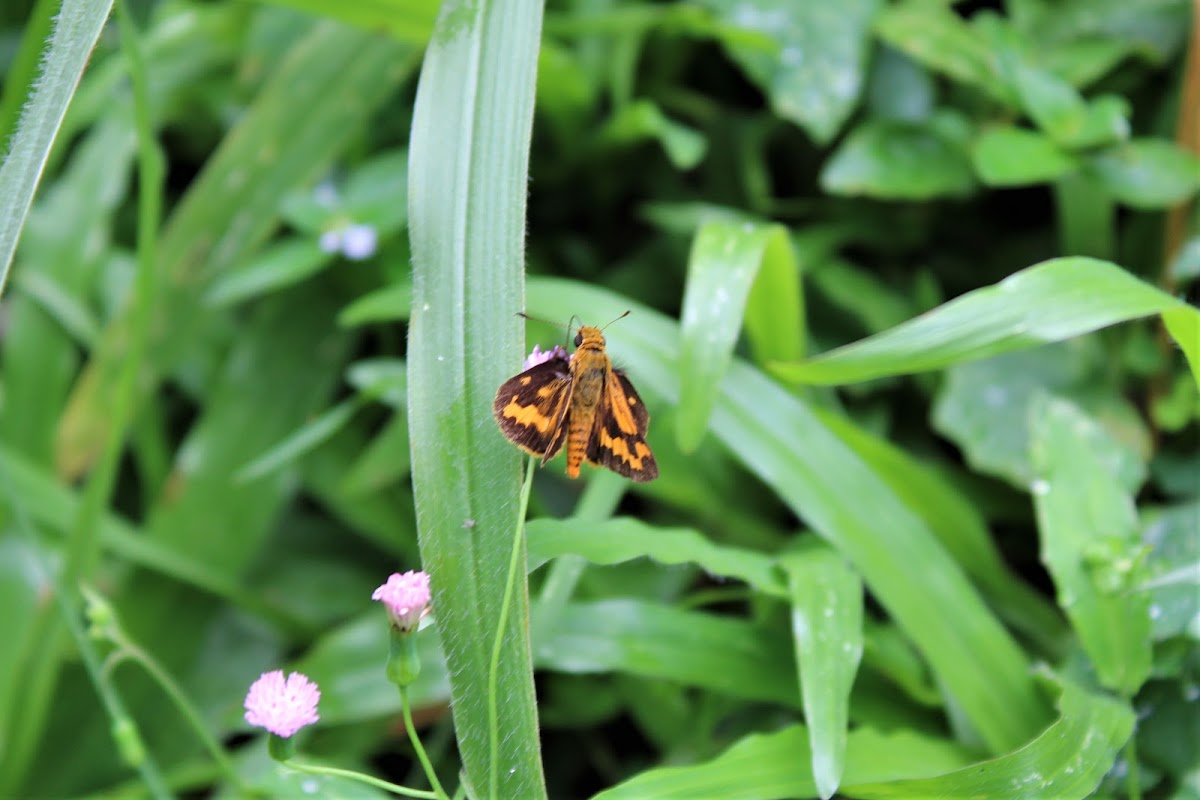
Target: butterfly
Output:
[{"x": 582, "y": 402}]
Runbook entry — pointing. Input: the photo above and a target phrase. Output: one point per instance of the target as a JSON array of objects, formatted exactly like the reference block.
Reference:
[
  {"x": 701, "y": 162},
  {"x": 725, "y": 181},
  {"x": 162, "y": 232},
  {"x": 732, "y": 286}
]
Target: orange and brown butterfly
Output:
[{"x": 581, "y": 401}]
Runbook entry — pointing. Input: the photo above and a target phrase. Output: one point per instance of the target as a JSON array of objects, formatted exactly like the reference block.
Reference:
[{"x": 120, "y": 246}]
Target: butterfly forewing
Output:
[{"x": 532, "y": 407}]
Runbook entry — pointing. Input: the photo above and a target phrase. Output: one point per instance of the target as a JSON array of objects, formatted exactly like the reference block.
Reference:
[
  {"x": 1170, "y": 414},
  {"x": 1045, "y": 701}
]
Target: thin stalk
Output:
[{"x": 514, "y": 564}]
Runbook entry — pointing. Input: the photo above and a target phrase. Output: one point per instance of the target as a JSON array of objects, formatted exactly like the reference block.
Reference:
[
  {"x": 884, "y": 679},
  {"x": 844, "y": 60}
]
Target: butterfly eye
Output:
[{"x": 578, "y": 339}]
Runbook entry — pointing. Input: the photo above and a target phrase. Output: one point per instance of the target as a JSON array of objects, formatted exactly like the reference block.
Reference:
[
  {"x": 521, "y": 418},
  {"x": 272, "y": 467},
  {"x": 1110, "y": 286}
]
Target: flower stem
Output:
[
  {"x": 404, "y": 791},
  {"x": 406, "y": 707},
  {"x": 494, "y": 666}
]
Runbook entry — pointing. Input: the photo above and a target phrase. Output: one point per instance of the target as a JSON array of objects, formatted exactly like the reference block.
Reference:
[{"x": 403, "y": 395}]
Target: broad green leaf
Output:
[
  {"x": 827, "y": 625},
  {"x": 984, "y": 407},
  {"x": 383, "y": 463},
  {"x": 385, "y": 379},
  {"x": 1147, "y": 173},
  {"x": 623, "y": 539},
  {"x": 306, "y": 438},
  {"x": 65, "y": 310},
  {"x": 899, "y": 87},
  {"x": 1090, "y": 543},
  {"x": 286, "y": 263},
  {"x": 1017, "y": 157},
  {"x": 935, "y": 35},
  {"x": 1183, "y": 324},
  {"x": 408, "y": 21},
  {"x": 643, "y": 119},
  {"x": 778, "y": 764},
  {"x": 1154, "y": 30},
  {"x": 468, "y": 179},
  {"x": 815, "y": 77},
  {"x": 368, "y": 196},
  {"x": 1065, "y": 762},
  {"x": 719, "y": 653},
  {"x": 388, "y": 304},
  {"x": 862, "y": 294},
  {"x": 1173, "y": 570},
  {"x": 727, "y": 260},
  {"x": 1064, "y": 115},
  {"x": 781, "y": 440},
  {"x": 74, "y": 34},
  {"x": 892, "y": 160},
  {"x": 1048, "y": 302}
]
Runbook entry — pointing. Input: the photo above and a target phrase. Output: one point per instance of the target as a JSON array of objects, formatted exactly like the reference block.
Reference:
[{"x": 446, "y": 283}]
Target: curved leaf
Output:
[
  {"x": 468, "y": 172},
  {"x": 1047, "y": 302},
  {"x": 729, "y": 258},
  {"x": 617, "y": 540},
  {"x": 827, "y": 623},
  {"x": 1065, "y": 762}
]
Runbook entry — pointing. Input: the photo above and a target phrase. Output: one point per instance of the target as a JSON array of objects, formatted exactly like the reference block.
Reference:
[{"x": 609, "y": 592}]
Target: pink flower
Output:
[
  {"x": 538, "y": 357},
  {"x": 406, "y": 597},
  {"x": 282, "y": 706}
]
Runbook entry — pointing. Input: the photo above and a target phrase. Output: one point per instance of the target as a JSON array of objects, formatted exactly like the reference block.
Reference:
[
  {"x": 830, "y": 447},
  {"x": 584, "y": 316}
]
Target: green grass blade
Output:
[
  {"x": 1091, "y": 543},
  {"x": 1048, "y": 302},
  {"x": 1184, "y": 326},
  {"x": 779, "y": 764},
  {"x": 278, "y": 145},
  {"x": 722, "y": 654},
  {"x": 728, "y": 258},
  {"x": 623, "y": 539},
  {"x": 75, "y": 33},
  {"x": 22, "y": 70},
  {"x": 468, "y": 167},
  {"x": 1065, "y": 762},
  {"x": 781, "y": 439},
  {"x": 404, "y": 20},
  {"x": 827, "y": 623}
]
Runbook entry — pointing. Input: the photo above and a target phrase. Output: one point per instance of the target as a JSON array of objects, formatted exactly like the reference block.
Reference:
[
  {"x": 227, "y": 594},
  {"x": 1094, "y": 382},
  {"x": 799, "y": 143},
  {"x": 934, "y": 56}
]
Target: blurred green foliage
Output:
[{"x": 910, "y": 285}]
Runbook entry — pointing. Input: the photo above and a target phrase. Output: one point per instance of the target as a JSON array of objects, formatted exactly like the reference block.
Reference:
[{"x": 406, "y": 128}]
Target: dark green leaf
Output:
[
  {"x": 1090, "y": 542},
  {"x": 468, "y": 179},
  {"x": 815, "y": 76},
  {"x": 1017, "y": 157},
  {"x": 891, "y": 160},
  {"x": 1147, "y": 173}
]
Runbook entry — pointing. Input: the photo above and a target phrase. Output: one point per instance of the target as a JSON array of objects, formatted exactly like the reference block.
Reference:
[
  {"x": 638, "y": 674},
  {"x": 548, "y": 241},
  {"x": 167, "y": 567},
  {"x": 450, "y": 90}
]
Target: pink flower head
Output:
[
  {"x": 538, "y": 357},
  {"x": 282, "y": 706},
  {"x": 406, "y": 597}
]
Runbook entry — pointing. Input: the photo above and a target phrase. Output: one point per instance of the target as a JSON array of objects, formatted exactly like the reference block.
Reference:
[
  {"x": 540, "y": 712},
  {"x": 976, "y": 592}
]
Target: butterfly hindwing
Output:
[
  {"x": 532, "y": 407},
  {"x": 618, "y": 439}
]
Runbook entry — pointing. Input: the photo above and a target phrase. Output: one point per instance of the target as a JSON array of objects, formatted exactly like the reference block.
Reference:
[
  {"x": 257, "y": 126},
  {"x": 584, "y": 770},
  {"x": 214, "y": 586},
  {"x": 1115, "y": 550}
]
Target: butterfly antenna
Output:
[
  {"x": 623, "y": 316},
  {"x": 539, "y": 319}
]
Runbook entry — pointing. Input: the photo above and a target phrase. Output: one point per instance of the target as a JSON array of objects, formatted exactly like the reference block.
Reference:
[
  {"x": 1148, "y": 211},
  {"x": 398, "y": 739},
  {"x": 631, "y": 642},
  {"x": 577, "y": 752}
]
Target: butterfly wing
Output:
[
  {"x": 531, "y": 408},
  {"x": 618, "y": 439}
]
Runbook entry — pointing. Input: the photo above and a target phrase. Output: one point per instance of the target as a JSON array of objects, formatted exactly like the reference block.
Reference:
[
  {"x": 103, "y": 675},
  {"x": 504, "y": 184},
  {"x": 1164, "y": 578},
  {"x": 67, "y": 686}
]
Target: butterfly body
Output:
[{"x": 583, "y": 403}]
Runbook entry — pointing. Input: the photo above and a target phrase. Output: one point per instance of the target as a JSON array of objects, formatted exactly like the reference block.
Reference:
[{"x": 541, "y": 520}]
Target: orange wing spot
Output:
[
  {"x": 620, "y": 448},
  {"x": 527, "y": 415},
  {"x": 632, "y": 401},
  {"x": 526, "y": 380},
  {"x": 546, "y": 391}
]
